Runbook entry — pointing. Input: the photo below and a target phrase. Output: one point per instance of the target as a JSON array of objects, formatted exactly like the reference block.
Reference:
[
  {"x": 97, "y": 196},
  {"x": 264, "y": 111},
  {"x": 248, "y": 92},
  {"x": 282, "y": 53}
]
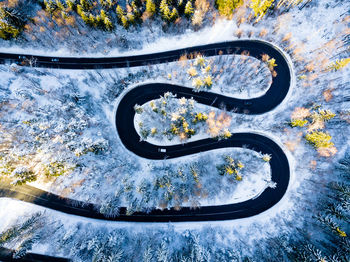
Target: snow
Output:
[
  {"x": 254, "y": 181},
  {"x": 221, "y": 31},
  {"x": 311, "y": 29}
]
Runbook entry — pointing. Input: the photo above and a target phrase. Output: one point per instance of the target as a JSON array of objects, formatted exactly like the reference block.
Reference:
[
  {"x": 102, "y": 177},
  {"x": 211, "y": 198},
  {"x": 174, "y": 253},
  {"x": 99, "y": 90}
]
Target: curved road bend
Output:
[{"x": 129, "y": 137}]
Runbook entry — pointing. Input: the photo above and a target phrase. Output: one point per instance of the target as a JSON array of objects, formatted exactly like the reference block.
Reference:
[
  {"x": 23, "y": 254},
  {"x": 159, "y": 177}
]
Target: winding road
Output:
[{"x": 125, "y": 127}]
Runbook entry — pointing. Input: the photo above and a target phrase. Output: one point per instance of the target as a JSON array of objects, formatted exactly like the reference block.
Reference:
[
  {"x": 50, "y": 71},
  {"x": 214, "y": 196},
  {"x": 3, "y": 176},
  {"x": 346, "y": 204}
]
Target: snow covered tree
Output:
[
  {"x": 23, "y": 233},
  {"x": 163, "y": 254},
  {"x": 11, "y": 23},
  {"x": 230, "y": 168},
  {"x": 148, "y": 255},
  {"x": 200, "y": 73},
  {"x": 25, "y": 246}
]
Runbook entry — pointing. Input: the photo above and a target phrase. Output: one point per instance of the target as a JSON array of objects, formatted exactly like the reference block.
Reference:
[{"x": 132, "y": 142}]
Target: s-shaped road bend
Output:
[{"x": 141, "y": 94}]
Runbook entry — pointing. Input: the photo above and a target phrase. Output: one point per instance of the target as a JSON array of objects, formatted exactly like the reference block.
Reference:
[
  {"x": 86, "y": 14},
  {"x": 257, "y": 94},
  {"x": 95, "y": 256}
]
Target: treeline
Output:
[{"x": 107, "y": 14}]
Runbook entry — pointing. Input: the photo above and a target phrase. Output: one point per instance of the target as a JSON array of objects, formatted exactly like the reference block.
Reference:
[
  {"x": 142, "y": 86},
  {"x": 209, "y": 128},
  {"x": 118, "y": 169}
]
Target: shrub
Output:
[
  {"x": 22, "y": 175},
  {"x": 56, "y": 168}
]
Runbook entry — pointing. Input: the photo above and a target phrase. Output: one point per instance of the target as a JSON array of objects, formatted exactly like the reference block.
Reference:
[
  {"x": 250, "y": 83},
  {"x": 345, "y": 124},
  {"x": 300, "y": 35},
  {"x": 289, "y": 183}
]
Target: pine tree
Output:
[
  {"x": 50, "y": 6},
  {"x": 7, "y": 31},
  {"x": 150, "y": 7},
  {"x": 85, "y": 4},
  {"x": 226, "y": 7},
  {"x": 110, "y": 3},
  {"x": 108, "y": 24},
  {"x": 174, "y": 15},
  {"x": 103, "y": 14},
  {"x": 131, "y": 18},
  {"x": 319, "y": 139},
  {"x": 80, "y": 10},
  {"x": 120, "y": 12},
  {"x": 125, "y": 22},
  {"x": 147, "y": 255},
  {"x": 135, "y": 10},
  {"x": 260, "y": 7},
  {"x": 25, "y": 246},
  {"x": 85, "y": 18},
  {"x": 163, "y": 253},
  {"x": 71, "y": 4},
  {"x": 59, "y": 5},
  {"x": 164, "y": 10},
  {"x": 189, "y": 9},
  {"x": 92, "y": 20}
]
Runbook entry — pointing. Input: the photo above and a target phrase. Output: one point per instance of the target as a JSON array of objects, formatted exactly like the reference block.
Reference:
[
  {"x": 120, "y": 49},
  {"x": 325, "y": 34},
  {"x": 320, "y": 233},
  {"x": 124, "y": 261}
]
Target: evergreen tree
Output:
[
  {"x": 147, "y": 255},
  {"x": 11, "y": 23},
  {"x": 260, "y": 7},
  {"x": 92, "y": 20},
  {"x": 110, "y": 3},
  {"x": 16, "y": 231},
  {"x": 125, "y": 22},
  {"x": 135, "y": 11},
  {"x": 26, "y": 246},
  {"x": 164, "y": 10},
  {"x": 108, "y": 24},
  {"x": 80, "y": 10},
  {"x": 150, "y": 7},
  {"x": 339, "y": 64},
  {"x": 85, "y": 4},
  {"x": 103, "y": 14},
  {"x": 120, "y": 12},
  {"x": 163, "y": 253},
  {"x": 85, "y": 18},
  {"x": 72, "y": 4},
  {"x": 59, "y": 5},
  {"x": 226, "y": 7},
  {"x": 7, "y": 31},
  {"x": 189, "y": 9},
  {"x": 174, "y": 15}
]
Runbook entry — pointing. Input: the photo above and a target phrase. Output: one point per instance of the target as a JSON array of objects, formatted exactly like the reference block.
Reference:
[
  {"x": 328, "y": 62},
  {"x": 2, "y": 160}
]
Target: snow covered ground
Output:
[{"x": 85, "y": 102}]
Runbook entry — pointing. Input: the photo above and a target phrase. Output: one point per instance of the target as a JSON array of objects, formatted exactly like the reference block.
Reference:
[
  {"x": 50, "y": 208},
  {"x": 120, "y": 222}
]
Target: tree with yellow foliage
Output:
[
  {"x": 260, "y": 8},
  {"x": 150, "y": 8},
  {"x": 319, "y": 139},
  {"x": 188, "y": 9},
  {"x": 226, "y": 7},
  {"x": 339, "y": 64},
  {"x": 230, "y": 167}
]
